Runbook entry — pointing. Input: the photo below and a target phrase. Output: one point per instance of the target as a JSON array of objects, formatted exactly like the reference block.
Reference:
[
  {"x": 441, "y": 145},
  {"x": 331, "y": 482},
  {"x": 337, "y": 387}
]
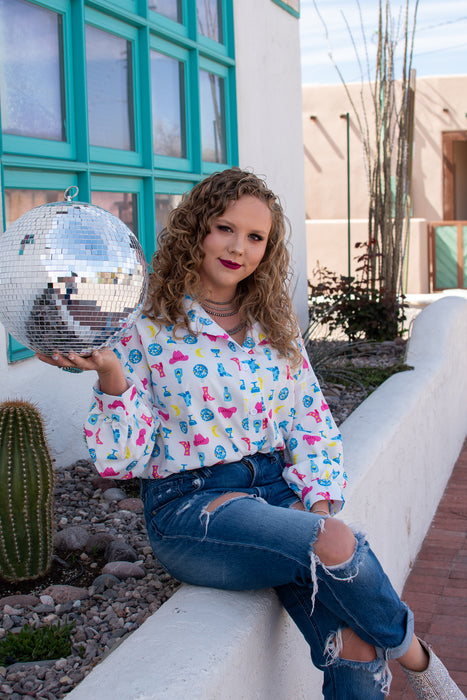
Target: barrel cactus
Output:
[{"x": 26, "y": 493}]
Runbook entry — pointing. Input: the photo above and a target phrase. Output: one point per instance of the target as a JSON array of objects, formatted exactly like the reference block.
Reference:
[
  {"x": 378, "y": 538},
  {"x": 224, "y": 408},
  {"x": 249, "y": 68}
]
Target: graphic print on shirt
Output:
[{"x": 199, "y": 399}]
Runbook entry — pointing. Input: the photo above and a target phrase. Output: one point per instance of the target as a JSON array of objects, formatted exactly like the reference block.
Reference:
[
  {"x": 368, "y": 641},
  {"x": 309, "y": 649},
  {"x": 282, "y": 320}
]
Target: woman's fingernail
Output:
[{"x": 54, "y": 357}]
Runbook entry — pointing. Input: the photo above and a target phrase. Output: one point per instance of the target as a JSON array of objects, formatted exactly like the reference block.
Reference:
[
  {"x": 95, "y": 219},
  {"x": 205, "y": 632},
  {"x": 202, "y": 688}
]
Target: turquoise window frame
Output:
[
  {"x": 183, "y": 56},
  {"x": 129, "y": 33},
  {"x": 231, "y": 143},
  {"x": 144, "y": 212},
  {"x": 28, "y": 163},
  {"x": 30, "y": 145},
  {"x": 287, "y": 8}
]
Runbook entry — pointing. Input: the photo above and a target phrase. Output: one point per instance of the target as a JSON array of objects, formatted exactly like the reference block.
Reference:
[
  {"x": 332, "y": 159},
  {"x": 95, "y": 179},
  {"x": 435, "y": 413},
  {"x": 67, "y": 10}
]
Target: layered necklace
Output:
[{"x": 223, "y": 309}]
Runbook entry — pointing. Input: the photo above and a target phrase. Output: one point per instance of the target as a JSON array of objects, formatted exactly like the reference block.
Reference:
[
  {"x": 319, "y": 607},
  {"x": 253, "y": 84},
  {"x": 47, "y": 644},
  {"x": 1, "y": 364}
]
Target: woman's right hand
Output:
[{"x": 104, "y": 361}]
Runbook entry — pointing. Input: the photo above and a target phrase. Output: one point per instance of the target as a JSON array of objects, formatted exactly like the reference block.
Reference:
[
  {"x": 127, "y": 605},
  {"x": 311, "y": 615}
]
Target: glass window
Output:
[
  {"x": 164, "y": 205},
  {"x": 110, "y": 90},
  {"x": 31, "y": 71},
  {"x": 168, "y": 8},
  {"x": 18, "y": 202},
  {"x": 120, "y": 204},
  {"x": 168, "y": 105},
  {"x": 209, "y": 19},
  {"x": 211, "y": 88}
]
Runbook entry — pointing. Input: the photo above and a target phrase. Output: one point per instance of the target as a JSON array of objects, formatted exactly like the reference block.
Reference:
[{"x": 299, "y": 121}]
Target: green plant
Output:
[
  {"x": 352, "y": 305},
  {"x": 36, "y": 644},
  {"x": 26, "y": 493}
]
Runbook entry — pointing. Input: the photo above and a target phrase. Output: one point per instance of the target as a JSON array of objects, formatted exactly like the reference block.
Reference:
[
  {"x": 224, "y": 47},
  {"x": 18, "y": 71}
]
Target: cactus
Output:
[{"x": 26, "y": 493}]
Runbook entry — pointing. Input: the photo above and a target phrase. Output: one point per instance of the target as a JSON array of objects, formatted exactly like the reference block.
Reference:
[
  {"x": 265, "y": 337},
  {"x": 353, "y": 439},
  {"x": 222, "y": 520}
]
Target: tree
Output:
[{"x": 387, "y": 138}]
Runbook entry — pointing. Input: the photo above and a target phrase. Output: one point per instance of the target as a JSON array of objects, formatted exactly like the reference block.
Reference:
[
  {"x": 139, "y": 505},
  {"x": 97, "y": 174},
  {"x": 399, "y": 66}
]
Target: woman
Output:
[{"x": 211, "y": 401}]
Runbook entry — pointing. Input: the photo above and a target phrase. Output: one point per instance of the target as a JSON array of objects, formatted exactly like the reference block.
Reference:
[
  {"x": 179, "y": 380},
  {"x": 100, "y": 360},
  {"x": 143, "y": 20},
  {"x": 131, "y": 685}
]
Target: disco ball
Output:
[{"x": 73, "y": 277}]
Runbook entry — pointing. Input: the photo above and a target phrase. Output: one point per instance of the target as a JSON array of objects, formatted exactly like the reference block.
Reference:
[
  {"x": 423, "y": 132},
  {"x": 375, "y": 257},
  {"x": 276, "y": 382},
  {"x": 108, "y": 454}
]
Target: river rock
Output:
[{"x": 124, "y": 569}]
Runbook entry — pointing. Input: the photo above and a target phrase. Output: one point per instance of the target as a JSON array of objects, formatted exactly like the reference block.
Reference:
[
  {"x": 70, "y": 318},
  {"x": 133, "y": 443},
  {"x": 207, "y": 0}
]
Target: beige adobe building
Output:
[{"x": 437, "y": 257}]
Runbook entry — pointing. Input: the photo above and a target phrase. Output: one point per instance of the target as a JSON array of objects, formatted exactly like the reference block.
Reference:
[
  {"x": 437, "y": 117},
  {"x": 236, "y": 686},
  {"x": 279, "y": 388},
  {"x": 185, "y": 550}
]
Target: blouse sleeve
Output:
[
  {"x": 121, "y": 430},
  {"x": 314, "y": 445}
]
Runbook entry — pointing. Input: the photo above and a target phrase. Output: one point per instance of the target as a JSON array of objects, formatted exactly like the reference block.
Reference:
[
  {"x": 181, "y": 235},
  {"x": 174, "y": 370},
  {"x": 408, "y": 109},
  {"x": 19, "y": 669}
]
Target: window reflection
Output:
[
  {"x": 212, "y": 117},
  {"x": 169, "y": 8},
  {"x": 164, "y": 205},
  {"x": 31, "y": 71},
  {"x": 120, "y": 204},
  {"x": 110, "y": 92},
  {"x": 168, "y": 105},
  {"x": 209, "y": 16},
  {"x": 18, "y": 202}
]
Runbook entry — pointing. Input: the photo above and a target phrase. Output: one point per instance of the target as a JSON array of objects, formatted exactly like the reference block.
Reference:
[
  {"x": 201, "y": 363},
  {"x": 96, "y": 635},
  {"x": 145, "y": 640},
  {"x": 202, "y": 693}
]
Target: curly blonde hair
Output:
[{"x": 264, "y": 296}]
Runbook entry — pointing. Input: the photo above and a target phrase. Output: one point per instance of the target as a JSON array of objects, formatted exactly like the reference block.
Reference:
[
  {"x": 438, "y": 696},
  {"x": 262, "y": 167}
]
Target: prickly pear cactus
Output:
[{"x": 26, "y": 493}]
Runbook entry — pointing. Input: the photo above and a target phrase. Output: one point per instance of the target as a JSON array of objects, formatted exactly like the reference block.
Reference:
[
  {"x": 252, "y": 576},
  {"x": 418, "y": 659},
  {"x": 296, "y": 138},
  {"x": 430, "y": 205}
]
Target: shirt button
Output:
[{"x": 253, "y": 411}]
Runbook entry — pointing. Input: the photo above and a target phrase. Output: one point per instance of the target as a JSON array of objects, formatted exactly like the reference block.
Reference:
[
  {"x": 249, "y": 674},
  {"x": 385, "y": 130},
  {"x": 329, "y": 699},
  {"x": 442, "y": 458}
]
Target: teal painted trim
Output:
[
  {"x": 37, "y": 147},
  {"x": 144, "y": 91},
  {"x": 169, "y": 26},
  {"x": 118, "y": 11},
  {"x": 32, "y": 180},
  {"x": 148, "y": 233},
  {"x": 16, "y": 351},
  {"x": 80, "y": 83},
  {"x": 19, "y": 161},
  {"x": 287, "y": 8}
]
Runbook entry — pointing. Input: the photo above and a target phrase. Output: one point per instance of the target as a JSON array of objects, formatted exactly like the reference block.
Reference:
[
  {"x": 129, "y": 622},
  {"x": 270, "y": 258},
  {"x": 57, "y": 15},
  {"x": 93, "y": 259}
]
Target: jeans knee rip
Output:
[
  {"x": 349, "y": 568},
  {"x": 205, "y": 513},
  {"x": 379, "y": 667}
]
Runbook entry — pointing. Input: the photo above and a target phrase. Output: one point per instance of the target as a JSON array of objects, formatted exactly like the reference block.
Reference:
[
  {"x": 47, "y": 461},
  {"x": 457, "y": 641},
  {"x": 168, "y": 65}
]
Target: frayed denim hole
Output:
[
  {"x": 352, "y": 562},
  {"x": 205, "y": 513},
  {"x": 314, "y": 560},
  {"x": 379, "y": 667}
]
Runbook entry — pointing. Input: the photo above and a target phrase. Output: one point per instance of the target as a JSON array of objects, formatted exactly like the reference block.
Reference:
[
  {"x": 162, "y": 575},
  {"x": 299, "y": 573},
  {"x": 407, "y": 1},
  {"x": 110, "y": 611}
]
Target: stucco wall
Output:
[
  {"x": 269, "y": 112},
  {"x": 327, "y": 245},
  {"x": 439, "y": 106}
]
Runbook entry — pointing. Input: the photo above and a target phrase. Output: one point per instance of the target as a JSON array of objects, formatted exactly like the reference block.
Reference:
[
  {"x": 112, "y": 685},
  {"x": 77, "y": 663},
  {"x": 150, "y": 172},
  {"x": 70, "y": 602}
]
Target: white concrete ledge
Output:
[{"x": 400, "y": 445}]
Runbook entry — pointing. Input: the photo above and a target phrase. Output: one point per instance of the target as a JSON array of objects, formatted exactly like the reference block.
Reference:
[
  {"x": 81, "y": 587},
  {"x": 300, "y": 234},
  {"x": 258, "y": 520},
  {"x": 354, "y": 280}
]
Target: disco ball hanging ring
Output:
[{"x": 73, "y": 277}]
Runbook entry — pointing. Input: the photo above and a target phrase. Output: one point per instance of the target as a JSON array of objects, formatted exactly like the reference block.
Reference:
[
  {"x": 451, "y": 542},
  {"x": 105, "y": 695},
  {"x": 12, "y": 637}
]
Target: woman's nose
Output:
[{"x": 237, "y": 244}]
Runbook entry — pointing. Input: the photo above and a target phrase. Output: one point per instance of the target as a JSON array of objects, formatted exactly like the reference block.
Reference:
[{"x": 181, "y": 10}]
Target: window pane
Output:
[
  {"x": 18, "y": 202},
  {"x": 110, "y": 91},
  {"x": 211, "y": 89},
  {"x": 164, "y": 205},
  {"x": 168, "y": 105},
  {"x": 209, "y": 16},
  {"x": 121, "y": 204},
  {"x": 168, "y": 8},
  {"x": 31, "y": 71}
]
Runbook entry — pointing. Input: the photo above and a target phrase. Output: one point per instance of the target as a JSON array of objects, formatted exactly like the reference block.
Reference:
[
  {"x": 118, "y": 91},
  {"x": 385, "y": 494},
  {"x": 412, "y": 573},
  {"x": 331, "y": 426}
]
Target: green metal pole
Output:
[{"x": 347, "y": 116}]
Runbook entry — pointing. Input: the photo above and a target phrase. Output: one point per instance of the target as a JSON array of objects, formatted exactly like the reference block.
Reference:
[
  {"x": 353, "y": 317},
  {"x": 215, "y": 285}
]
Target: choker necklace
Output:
[
  {"x": 236, "y": 329},
  {"x": 214, "y": 312},
  {"x": 219, "y": 308},
  {"x": 220, "y": 303}
]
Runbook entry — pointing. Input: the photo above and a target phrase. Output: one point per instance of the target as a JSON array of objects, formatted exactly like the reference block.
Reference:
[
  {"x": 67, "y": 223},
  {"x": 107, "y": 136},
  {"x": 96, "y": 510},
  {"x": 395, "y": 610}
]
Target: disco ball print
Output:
[{"x": 73, "y": 277}]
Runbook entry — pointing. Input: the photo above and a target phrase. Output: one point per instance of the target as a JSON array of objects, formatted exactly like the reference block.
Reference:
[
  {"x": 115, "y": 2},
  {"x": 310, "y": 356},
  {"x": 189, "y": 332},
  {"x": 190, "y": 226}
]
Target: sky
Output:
[{"x": 440, "y": 46}]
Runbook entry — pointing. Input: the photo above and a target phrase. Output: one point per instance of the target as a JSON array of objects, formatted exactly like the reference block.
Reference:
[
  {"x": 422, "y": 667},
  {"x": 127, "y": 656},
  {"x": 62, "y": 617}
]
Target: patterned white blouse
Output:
[{"x": 199, "y": 399}]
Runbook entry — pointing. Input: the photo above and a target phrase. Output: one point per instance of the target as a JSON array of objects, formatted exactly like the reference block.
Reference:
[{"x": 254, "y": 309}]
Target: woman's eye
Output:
[
  {"x": 221, "y": 227},
  {"x": 256, "y": 237}
]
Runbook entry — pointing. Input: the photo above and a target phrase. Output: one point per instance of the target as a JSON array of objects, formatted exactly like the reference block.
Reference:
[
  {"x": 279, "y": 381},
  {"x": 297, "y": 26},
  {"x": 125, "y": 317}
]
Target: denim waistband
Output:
[{"x": 253, "y": 470}]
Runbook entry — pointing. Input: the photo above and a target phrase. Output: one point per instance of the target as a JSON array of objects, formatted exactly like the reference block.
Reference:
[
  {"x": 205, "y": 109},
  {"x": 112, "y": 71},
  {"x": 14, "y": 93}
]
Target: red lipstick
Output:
[{"x": 230, "y": 264}]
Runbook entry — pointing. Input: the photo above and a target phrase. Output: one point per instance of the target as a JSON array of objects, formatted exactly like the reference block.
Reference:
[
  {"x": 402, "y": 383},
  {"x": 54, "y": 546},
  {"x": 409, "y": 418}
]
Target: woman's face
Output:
[{"x": 234, "y": 246}]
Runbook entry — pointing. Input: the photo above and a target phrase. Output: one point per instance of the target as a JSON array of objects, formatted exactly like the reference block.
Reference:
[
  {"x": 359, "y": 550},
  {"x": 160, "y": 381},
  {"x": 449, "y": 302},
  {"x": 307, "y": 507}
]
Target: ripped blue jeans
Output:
[{"x": 258, "y": 541}]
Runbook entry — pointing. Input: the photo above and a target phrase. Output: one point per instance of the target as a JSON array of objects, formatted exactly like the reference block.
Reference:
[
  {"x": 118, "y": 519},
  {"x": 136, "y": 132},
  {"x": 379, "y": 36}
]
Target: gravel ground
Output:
[{"x": 105, "y": 578}]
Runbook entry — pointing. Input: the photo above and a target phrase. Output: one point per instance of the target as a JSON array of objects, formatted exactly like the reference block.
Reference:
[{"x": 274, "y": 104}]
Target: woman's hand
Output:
[{"x": 104, "y": 362}]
